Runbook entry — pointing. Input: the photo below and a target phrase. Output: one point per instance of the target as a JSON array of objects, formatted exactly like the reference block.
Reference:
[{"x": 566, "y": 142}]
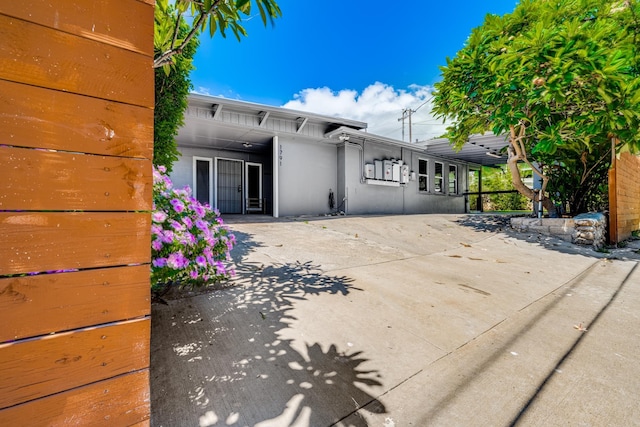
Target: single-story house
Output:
[{"x": 242, "y": 158}]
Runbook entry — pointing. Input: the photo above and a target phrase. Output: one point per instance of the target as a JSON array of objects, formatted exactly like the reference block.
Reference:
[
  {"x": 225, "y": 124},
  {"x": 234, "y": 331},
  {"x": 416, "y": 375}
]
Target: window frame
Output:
[
  {"x": 455, "y": 179},
  {"x": 423, "y": 175},
  {"x": 437, "y": 178}
]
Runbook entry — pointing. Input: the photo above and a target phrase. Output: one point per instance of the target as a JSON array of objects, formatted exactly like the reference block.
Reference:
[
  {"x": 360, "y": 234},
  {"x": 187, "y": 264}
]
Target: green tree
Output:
[
  {"x": 176, "y": 31},
  {"x": 561, "y": 79},
  {"x": 216, "y": 15},
  {"x": 171, "y": 90}
]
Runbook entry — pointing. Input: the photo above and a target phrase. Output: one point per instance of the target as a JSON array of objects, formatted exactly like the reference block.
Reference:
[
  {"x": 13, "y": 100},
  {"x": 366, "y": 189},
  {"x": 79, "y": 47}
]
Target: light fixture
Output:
[
  {"x": 343, "y": 137},
  {"x": 490, "y": 154},
  {"x": 247, "y": 145}
]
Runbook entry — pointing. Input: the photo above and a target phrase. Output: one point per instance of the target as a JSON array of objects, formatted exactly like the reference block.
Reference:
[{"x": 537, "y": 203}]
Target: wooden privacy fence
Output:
[
  {"x": 624, "y": 197},
  {"x": 76, "y": 141}
]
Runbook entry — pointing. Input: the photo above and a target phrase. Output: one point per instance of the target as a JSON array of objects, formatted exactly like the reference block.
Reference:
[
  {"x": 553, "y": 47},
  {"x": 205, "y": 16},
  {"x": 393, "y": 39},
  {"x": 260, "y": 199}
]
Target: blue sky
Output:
[{"x": 363, "y": 60}]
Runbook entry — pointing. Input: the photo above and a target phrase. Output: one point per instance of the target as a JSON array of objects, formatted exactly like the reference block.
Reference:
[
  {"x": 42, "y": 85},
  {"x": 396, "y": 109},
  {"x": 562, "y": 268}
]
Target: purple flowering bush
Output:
[{"x": 189, "y": 241}]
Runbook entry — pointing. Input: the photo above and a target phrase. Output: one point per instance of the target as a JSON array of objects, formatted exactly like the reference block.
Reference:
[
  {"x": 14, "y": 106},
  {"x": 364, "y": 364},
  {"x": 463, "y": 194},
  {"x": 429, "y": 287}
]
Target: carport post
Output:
[
  {"x": 479, "y": 201},
  {"x": 277, "y": 158}
]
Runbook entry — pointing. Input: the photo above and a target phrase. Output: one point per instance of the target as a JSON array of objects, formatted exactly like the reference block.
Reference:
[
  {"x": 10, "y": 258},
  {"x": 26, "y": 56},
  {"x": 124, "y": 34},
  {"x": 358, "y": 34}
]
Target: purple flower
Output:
[
  {"x": 178, "y": 206},
  {"x": 159, "y": 217},
  {"x": 220, "y": 269},
  {"x": 188, "y": 239},
  {"x": 159, "y": 262},
  {"x": 177, "y": 261},
  {"x": 161, "y": 168},
  {"x": 167, "y": 236},
  {"x": 187, "y": 222},
  {"x": 207, "y": 252},
  {"x": 201, "y": 261},
  {"x": 193, "y": 274},
  {"x": 156, "y": 245},
  {"x": 198, "y": 209},
  {"x": 176, "y": 225},
  {"x": 202, "y": 225}
]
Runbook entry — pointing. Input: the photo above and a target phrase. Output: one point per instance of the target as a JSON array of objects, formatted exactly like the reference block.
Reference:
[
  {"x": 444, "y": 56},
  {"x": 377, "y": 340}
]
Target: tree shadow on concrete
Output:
[
  {"x": 219, "y": 359},
  {"x": 486, "y": 222}
]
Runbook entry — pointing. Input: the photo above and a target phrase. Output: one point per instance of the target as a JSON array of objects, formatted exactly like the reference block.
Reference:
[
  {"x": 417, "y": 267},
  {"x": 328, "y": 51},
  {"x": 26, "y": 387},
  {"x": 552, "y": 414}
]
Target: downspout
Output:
[{"x": 404, "y": 187}]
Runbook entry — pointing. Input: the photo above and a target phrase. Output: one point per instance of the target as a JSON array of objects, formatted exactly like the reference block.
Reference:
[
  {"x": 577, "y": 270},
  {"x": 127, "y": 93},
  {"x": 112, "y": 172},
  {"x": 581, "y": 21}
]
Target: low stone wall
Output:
[{"x": 584, "y": 229}]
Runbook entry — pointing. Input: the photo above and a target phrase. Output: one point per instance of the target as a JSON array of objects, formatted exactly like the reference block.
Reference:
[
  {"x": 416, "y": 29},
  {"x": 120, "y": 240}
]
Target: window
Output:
[
  {"x": 438, "y": 180},
  {"x": 423, "y": 175},
  {"x": 453, "y": 179}
]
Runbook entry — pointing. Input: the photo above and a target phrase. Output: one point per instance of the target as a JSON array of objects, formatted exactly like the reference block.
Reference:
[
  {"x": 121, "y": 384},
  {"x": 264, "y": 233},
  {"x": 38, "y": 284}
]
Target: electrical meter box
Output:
[
  {"x": 386, "y": 164},
  {"x": 404, "y": 174},
  {"x": 378, "y": 169},
  {"x": 395, "y": 172},
  {"x": 369, "y": 171}
]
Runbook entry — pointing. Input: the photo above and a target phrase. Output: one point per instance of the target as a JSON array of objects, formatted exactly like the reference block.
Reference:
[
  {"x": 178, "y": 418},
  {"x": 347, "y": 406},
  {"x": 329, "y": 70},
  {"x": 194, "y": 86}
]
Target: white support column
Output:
[{"x": 276, "y": 184}]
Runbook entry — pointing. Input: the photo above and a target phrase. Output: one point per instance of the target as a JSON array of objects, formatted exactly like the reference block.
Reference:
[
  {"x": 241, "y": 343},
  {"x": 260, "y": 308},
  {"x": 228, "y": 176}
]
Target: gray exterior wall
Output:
[
  {"x": 307, "y": 171},
  {"x": 366, "y": 198}
]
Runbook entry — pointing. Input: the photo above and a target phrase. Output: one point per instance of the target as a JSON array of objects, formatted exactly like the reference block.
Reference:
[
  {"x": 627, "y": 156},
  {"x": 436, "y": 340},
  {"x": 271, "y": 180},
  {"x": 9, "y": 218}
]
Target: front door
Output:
[{"x": 229, "y": 186}]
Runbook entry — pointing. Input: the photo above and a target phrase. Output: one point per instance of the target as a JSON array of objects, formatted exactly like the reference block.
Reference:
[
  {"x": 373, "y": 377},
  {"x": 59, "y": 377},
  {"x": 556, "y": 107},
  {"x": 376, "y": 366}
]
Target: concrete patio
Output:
[{"x": 420, "y": 320}]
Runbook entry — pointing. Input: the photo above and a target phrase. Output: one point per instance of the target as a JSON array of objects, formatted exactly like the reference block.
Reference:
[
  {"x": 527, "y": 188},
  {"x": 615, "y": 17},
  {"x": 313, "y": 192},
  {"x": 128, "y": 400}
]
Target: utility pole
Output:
[{"x": 406, "y": 113}]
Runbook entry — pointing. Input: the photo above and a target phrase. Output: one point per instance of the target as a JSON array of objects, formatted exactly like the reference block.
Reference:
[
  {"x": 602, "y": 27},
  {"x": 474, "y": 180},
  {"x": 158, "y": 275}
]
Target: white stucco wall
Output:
[{"x": 306, "y": 172}]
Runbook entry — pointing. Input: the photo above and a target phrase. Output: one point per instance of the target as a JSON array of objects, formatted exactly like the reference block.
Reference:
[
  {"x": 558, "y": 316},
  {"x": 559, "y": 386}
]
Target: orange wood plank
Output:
[
  {"x": 123, "y": 401},
  {"x": 43, "y": 118},
  {"x": 73, "y": 64},
  {"x": 40, "y": 367},
  {"x": 38, "y": 305},
  {"x": 124, "y": 23},
  {"x": 41, "y": 241},
  {"x": 45, "y": 180}
]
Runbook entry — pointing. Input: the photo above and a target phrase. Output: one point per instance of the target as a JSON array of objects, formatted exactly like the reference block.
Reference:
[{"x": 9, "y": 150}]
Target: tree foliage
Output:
[
  {"x": 176, "y": 30},
  {"x": 171, "y": 90},
  {"x": 216, "y": 15},
  {"x": 561, "y": 78}
]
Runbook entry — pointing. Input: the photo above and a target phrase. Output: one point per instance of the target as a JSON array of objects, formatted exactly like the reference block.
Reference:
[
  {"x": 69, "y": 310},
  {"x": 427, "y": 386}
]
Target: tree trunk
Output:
[{"x": 516, "y": 179}]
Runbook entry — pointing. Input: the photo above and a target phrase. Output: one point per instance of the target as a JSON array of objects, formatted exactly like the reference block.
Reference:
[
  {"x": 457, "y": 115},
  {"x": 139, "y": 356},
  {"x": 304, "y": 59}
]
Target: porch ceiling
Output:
[{"x": 198, "y": 132}]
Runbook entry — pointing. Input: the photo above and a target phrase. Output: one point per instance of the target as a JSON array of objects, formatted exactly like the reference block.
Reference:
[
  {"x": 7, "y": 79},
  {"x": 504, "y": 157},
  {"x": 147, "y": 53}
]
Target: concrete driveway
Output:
[{"x": 392, "y": 321}]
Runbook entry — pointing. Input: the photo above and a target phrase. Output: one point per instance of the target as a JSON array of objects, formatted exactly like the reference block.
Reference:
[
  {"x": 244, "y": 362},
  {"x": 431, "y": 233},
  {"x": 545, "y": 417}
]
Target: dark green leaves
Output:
[{"x": 566, "y": 70}]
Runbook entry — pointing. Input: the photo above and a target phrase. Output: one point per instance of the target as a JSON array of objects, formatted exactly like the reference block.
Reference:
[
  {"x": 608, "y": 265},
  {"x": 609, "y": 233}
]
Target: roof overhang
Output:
[
  {"x": 482, "y": 149},
  {"x": 343, "y": 134},
  {"x": 205, "y": 126}
]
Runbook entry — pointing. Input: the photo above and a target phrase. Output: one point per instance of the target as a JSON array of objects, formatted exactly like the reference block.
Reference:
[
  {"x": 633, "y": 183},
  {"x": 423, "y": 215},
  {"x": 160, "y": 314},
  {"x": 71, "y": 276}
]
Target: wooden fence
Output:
[
  {"x": 76, "y": 142},
  {"x": 624, "y": 197}
]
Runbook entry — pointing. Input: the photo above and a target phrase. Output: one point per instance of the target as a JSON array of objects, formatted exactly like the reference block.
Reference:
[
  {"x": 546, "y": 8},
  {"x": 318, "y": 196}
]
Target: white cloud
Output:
[
  {"x": 201, "y": 90},
  {"x": 379, "y": 105}
]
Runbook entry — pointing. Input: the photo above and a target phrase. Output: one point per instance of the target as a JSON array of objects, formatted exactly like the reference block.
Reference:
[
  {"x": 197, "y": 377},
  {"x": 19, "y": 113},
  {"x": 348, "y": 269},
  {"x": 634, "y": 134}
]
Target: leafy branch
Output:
[{"x": 217, "y": 15}]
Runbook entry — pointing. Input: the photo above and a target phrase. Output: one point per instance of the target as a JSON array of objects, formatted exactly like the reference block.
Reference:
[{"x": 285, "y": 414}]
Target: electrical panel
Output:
[
  {"x": 395, "y": 172},
  {"x": 369, "y": 171},
  {"x": 378, "y": 169},
  {"x": 404, "y": 174},
  {"x": 387, "y": 166}
]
